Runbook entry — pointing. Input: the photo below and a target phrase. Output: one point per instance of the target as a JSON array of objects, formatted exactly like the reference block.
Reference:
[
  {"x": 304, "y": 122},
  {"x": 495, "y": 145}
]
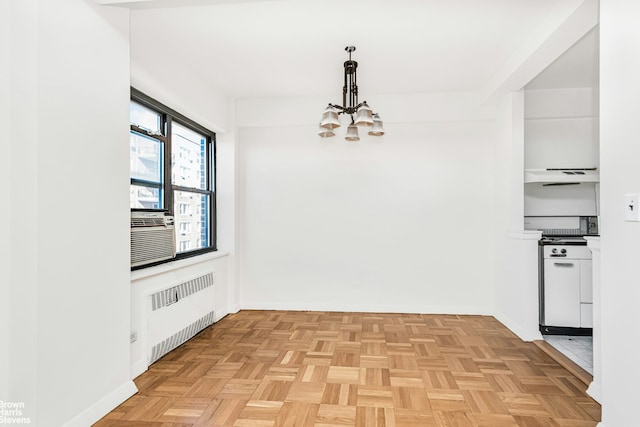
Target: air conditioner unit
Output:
[{"x": 152, "y": 238}]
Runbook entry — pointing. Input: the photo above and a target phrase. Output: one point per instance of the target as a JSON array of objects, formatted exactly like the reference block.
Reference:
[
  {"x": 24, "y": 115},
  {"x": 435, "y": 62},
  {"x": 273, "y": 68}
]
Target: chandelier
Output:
[{"x": 364, "y": 116}]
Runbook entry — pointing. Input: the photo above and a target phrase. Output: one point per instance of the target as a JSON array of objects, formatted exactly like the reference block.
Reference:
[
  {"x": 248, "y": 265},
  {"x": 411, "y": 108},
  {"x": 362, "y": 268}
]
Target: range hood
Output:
[{"x": 561, "y": 176}]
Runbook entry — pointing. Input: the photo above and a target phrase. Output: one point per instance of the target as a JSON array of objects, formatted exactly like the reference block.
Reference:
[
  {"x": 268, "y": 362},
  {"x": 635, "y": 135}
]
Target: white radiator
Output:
[{"x": 178, "y": 313}]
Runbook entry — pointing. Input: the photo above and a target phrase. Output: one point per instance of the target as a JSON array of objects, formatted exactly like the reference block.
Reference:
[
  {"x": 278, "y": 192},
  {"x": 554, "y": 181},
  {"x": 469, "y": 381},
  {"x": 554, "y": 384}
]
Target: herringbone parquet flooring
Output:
[{"x": 321, "y": 369}]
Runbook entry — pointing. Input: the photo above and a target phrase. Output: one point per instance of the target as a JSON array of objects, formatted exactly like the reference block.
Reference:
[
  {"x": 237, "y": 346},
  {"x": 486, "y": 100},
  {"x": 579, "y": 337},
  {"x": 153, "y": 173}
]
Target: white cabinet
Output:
[
  {"x": 586, "y": 315},
  {"x": 561, "y": 128},
  {"x": 586, "y": 281},
  {"x": 586, "y": 293}
]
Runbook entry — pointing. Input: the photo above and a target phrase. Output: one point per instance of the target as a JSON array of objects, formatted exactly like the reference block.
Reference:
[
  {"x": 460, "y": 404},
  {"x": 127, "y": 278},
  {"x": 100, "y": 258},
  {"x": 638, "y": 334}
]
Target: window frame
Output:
[{"x": 168, "y": 116}]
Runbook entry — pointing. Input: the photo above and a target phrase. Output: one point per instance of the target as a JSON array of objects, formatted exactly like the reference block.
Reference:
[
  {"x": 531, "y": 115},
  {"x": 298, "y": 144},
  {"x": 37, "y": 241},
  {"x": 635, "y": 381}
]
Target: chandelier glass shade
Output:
[
  {"x": 364, "y": 115},
  {"x": 352, "y": 133}
]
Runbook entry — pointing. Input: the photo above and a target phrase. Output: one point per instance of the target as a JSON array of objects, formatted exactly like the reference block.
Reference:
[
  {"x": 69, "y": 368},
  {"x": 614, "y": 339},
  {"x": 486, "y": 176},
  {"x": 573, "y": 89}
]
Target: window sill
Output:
[{"x": 175, "y": 265}]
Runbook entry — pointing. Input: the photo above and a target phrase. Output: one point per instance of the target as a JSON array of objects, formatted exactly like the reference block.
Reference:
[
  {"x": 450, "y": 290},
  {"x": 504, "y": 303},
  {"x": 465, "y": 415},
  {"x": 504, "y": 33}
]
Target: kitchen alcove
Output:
[{"x": 561, "y": 131}]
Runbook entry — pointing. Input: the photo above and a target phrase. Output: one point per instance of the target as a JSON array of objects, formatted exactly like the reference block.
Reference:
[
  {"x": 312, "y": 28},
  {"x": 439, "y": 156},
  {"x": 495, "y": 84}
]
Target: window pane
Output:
[
  {"x": 146, "y": 158},
  {"x": 145, "y": 197},
  {"x": 145, "y": 118},
  {"x": 188, "y": 157},
  {"x": 191, "y": 220}
]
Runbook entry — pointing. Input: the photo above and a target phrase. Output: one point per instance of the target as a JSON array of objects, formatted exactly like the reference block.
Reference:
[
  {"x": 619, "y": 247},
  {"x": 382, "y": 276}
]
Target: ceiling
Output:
[
  {"x": 577, "y": 67},
  {"x": 272, "y": 48}
]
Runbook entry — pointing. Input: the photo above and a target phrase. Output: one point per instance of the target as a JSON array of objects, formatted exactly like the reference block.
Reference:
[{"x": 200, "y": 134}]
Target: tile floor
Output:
[{"x": 578, "y": 349}]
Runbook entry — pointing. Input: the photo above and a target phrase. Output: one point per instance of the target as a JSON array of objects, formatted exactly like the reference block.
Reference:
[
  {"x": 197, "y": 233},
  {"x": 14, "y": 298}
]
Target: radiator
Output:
[{"x": 178, "y": 313}]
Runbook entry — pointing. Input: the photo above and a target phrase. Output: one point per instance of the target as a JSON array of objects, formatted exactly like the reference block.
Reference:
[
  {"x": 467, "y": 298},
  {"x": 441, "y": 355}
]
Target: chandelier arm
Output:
[
  {"x": 344, "y": 88},
  {"x": 338, "y": 107},
  {"x": 350, "y": 105},
  {"x": 354, "y": 88}
]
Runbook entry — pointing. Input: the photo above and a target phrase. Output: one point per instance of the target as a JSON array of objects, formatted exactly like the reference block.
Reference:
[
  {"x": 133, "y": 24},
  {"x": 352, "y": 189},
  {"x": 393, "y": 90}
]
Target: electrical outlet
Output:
[
  {"x": 632, "y": 207},
  {"x": 133, "y": 337}
]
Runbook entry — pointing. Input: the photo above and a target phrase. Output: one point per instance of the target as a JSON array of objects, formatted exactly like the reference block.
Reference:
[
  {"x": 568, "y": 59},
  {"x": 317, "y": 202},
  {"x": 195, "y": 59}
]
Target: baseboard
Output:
[
  {"x": 595, "y": 391},
  {"x": 139, "y": 368},
  {"x": 104, "y": 406},
  {"x": 565, "y": 362},
  {"x": 368, "y": 308},
  {"x": 522, "y": 333},
  {"x": 219, "y": 315}
]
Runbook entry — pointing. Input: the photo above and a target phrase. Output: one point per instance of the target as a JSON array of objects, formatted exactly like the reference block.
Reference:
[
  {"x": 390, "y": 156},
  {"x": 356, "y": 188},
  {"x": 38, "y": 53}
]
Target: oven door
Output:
[{"x": 562, "y": 292}]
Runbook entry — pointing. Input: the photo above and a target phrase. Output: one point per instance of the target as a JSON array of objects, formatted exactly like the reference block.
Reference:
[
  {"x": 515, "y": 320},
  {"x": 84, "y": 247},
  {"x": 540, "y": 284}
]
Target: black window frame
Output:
[{"x": 168, "y": 116}]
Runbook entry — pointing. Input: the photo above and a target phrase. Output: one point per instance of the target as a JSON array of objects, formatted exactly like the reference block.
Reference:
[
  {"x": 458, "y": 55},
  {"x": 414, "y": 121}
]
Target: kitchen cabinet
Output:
[
  {"x": 586, "y": 315},
  {"x": 586, "y": 281},
  {"x": 561, "y": 128},
  {"x": 586, "y": 293}
]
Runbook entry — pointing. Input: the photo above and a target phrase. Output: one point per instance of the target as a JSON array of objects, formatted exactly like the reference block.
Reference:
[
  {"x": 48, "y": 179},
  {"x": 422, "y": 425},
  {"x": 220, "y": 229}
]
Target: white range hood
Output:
[{"x": 561, "y": 176}]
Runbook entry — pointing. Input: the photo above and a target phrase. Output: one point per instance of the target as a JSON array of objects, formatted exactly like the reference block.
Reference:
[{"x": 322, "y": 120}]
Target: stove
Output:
[
  {"x": 564, "y": 274},
  {"x": 565, "y": 286}
]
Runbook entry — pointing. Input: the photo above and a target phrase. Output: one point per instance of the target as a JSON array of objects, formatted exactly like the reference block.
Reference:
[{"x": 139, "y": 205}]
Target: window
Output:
[
  {"x": 184, "y": 209},
  {"x": 173, "y": 169},
  {"x": 185, "y": 227},
  {"x": 146, "y": 158},
  {"x": 185, "y": 245}
]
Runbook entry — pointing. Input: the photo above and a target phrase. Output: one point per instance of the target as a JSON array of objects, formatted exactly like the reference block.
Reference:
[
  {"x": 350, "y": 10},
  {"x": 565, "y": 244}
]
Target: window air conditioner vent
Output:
[
  {"x": 147, "y": 222},
  {"x": 152, "y": 238}
]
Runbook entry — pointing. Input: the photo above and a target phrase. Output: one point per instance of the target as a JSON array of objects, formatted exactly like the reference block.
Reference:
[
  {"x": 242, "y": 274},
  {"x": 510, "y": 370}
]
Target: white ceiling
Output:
[
  {"x": 577, "y": 67},
  {"x": 265, "y": 48}
]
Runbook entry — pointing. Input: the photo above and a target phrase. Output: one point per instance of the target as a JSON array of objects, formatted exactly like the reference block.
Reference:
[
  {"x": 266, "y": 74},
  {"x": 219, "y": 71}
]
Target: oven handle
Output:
[
  {"x": 563, "y": 264},
  {"x": 558, "y": 255}
]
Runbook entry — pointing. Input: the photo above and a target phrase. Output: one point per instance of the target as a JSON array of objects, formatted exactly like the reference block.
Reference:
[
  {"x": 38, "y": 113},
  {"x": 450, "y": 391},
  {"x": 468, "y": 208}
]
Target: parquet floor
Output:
[{"x": 321, "y": 369}]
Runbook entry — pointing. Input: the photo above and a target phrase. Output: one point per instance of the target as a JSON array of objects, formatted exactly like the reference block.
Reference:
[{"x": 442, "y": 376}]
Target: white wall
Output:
[
  {"x": 397, "y": 223},
  {"x": 5, "y": 176},
  {"x": 516, "y": 296},
  {"x": 69, "y": 168},
  {"x": 620, "y": 241},
  {"x": 226, "y": 183},
  {"x": 23, "y": 205},
  {"x": 167, "y": 78}
]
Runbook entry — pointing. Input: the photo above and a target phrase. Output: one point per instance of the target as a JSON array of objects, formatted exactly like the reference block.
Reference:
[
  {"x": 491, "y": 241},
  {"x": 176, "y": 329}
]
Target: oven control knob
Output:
[
  {"x": 564, "y": 251},
  {"x": 554, "y": 250}
]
